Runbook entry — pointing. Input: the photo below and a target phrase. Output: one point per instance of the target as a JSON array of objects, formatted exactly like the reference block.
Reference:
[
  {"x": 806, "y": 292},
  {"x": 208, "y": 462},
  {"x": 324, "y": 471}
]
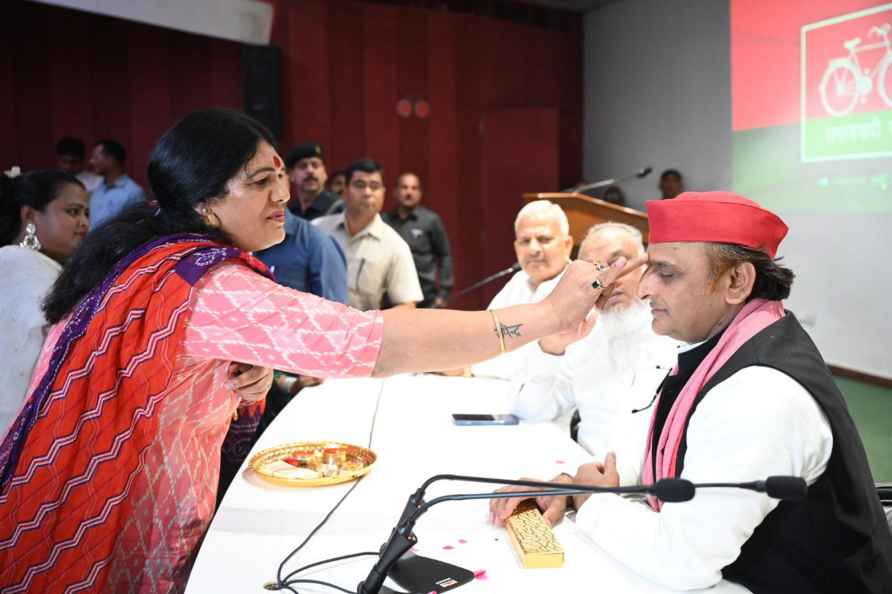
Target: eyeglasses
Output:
[{"x": 361, "y": 186}]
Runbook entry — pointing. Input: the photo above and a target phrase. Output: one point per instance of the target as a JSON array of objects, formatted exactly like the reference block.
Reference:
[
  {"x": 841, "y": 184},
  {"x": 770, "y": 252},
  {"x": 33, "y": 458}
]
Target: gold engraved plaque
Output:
[{"x": 533, "y": 538}]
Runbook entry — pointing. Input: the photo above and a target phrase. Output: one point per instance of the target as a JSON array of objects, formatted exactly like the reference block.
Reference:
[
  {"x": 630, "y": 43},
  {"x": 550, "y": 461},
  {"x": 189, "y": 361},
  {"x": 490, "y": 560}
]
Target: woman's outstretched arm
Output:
[
  {"x": 434, "y": 340},
  {"x": 241, "y": 316}
]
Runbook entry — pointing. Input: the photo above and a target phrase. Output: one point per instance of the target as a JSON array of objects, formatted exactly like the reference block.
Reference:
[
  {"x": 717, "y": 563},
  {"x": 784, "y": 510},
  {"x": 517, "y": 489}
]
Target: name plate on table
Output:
[{"x": 533, "y": 538}]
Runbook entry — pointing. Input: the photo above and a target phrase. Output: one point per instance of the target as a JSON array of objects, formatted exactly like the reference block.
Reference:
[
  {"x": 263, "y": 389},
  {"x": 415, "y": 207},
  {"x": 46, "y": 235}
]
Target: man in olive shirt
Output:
[{"x": 423, "y": 230}]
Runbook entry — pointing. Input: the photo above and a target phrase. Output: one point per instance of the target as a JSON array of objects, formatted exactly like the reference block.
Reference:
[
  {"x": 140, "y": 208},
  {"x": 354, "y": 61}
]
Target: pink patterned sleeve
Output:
[{"x": 242, "y": 316}]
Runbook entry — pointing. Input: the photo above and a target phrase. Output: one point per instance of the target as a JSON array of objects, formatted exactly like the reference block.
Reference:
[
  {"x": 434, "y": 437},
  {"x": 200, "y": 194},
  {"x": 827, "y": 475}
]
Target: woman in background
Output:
[{"x": 44, "y": 216}]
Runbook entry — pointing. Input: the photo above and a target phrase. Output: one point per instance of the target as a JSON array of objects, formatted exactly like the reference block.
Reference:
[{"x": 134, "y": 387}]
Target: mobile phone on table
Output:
[{"x": 478, "y": 419}]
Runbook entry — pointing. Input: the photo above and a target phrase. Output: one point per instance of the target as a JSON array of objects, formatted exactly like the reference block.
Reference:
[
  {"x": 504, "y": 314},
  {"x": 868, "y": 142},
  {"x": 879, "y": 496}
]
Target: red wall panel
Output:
[
  {"x": 69, "y": 59},
  {"x": 413, "y": 84},
  {"x": 9, "y": 117},
  {"x": 345, "y": 64},
  {"x": 470, "y": 234},
  {"x": 150, "y": 96},
  {"x": 380, "y": 80},
  {"x": 33, "y": 100},
  {"x": 347, "y": 88},
  {"x": 533, "y": 133},
  {"x": 442, "y": 187},
  {"x": 70, "y": 73},
  {"x": 307, "y": 100},
  {"x": 109, "y": 80}
]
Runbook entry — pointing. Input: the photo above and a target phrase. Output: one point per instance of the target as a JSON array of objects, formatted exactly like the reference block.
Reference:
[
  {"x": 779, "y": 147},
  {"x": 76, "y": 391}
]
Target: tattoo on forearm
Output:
[{"x": 510, "y": 331}]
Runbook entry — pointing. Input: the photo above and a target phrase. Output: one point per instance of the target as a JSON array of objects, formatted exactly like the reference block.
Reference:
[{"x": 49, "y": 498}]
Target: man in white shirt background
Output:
[
  {"x": 609, "y": 375},
  {"x": 71, "y": 155},
  {"x": 542, "y": 243}
]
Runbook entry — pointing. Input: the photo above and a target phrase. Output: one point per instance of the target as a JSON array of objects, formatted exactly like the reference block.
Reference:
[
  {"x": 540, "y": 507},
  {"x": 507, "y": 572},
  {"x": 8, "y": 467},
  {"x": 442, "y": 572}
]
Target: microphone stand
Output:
[
  {"x": 402, "y": 538},
  {"x": 489, "y": 279},
  {"x": 669, "y": 490},
  {"x": 609, "y": 182}
]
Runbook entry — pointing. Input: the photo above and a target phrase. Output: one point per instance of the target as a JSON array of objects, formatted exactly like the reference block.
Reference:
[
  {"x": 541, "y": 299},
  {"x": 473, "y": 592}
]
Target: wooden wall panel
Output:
[
  {"x": 345, "y": 64},
  {"x": 441, "y": 186},
  {"x": 380, "y": 80},
  {"x": 347, "y": 95},
  {"x": 71, "y": 73}
]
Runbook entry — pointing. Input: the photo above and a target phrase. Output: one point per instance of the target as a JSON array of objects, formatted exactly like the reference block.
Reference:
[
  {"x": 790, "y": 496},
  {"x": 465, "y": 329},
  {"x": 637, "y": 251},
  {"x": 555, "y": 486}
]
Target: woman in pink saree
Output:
[{"x": 108, "y": 476}]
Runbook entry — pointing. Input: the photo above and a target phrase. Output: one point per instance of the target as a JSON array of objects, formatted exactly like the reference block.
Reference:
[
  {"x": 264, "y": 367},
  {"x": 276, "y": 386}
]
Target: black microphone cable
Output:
[
  {"x": 656, "y": 393},
  {"x": 287, "y": 582},
  {"x": 661, "y": 368}
]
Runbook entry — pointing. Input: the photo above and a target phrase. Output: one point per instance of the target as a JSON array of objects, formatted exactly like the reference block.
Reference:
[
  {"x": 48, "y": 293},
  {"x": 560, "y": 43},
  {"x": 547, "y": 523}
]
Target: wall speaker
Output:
[{"x": 261, "y": 66}]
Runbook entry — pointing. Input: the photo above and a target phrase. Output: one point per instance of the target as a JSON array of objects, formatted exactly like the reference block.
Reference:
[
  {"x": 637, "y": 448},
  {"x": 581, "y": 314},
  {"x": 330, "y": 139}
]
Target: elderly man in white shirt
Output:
[
  {"x": 751, "y": 398},
  {"x": 609, "y": 375},
  {"x": 543, "y": 244}
]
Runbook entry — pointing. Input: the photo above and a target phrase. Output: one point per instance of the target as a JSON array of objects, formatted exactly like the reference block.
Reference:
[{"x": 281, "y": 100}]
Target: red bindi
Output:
[{"x": 277, "y": 162}]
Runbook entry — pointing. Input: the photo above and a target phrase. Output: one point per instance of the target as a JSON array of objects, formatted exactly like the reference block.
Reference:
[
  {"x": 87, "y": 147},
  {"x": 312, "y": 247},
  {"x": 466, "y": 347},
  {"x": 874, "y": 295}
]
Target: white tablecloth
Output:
[{"x": 259, "y": 523}]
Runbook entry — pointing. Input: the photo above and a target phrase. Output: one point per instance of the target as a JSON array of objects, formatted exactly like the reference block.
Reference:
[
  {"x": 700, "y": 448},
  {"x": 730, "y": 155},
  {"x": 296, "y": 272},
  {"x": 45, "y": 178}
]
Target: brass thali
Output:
[{"x": 313, "y": 463}]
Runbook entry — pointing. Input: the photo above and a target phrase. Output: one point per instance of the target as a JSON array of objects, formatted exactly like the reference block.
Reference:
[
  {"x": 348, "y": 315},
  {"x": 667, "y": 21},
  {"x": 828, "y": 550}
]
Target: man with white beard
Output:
[{"x": 611, "y": 375}]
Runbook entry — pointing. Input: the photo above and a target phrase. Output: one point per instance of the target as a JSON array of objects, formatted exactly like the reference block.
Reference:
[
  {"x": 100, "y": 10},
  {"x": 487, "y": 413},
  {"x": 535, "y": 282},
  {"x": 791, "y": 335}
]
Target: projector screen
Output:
[{"x": 811, "y": 94}]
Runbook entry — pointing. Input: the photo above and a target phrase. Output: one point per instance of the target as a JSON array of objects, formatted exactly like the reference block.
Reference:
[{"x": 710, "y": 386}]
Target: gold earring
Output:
[{"x": 207, "y": 213}]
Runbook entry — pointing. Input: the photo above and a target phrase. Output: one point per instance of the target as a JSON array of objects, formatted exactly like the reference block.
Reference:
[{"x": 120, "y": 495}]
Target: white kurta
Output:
[
  {"x": 606, "y": 378},
  {"x": 27, "y": 277},
  {"x": 517, "y": 291},
  {"x": 758, "y": 423}
]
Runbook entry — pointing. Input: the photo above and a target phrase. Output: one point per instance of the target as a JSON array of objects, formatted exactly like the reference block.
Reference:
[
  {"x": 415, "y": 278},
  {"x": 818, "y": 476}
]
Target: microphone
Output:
[
  {"x": 435, "y": 574},
  {"x": 514, "y": 268},
  {"x": 640, "y": 174},
  {"x": 789, "y": 488}
]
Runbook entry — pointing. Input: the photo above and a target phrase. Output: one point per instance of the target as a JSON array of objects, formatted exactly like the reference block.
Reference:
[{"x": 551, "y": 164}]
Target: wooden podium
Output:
[{"x": 584, "y": 211}]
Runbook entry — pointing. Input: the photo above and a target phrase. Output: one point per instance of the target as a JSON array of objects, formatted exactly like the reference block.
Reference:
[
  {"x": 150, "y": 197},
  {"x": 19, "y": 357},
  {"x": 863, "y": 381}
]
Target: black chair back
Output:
[{"x": 884, "y": 490}]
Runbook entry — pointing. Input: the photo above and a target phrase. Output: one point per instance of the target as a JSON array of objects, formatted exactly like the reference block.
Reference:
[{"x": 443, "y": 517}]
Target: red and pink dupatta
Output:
[{"x": 69, "y": 460}]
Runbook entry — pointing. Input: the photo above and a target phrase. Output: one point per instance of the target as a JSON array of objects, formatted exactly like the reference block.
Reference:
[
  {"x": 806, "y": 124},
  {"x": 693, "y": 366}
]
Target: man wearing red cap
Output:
[{"x": 751, "y": 398}]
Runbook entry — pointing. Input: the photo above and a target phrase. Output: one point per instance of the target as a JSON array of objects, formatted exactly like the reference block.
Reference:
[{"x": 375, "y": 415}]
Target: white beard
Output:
[{"x": 625, "y": 331}]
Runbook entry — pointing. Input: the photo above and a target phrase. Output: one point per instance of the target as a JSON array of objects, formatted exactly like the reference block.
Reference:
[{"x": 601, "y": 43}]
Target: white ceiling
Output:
[{"x": 249, "y": 21}]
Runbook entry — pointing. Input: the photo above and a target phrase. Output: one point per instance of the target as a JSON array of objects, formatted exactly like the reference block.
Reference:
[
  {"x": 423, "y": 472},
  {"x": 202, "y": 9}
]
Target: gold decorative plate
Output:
[{"x": 313, "y": 463}]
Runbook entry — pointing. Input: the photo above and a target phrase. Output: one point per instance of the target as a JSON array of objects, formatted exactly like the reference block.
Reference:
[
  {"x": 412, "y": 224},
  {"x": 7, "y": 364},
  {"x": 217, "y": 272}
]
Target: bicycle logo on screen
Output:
[
  {"x": 846, "y": 86},
  {"x": 847, "y": 81}
]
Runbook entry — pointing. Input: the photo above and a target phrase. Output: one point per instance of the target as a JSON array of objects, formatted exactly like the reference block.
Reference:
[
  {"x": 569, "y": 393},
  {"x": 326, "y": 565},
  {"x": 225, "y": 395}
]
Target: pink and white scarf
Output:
[{"x": 756, "y": 315}]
